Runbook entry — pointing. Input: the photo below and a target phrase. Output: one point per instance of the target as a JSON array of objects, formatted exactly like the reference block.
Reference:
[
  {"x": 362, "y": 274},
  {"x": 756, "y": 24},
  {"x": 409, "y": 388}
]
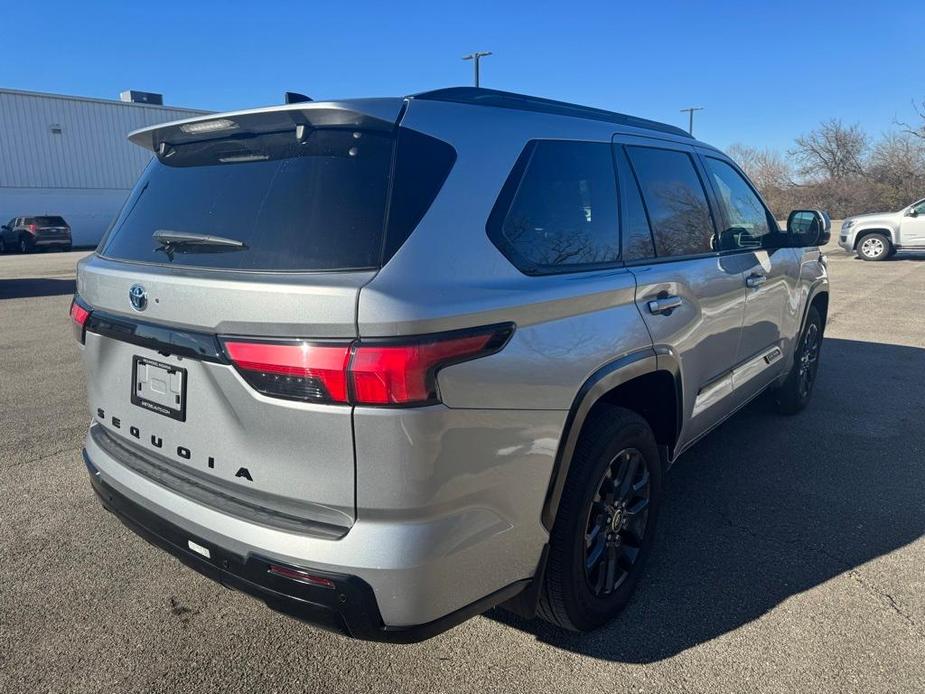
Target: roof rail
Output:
[{"x": 478, "y": 96}]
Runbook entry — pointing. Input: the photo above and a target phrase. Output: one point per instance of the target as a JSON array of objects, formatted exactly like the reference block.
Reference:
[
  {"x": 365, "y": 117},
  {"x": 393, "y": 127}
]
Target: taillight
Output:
[
  {"x": 385, "y": 373},
  {"x": 405, "y": 374},
  {"x": 299, "y": 370},
  {"x": 80, "y": 312}
]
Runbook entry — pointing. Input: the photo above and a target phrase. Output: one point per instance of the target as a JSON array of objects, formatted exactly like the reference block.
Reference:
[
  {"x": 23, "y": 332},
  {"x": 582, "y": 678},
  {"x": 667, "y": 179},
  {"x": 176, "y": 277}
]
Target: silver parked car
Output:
[
  {"x": 880, "y": 236},
  {"x": 386, "y": 363}
]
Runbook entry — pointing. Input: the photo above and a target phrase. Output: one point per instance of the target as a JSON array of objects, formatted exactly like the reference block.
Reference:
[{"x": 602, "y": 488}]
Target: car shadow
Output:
[
  {"x": 768, "y": 506},
  {"x": 35, "y": 286}
]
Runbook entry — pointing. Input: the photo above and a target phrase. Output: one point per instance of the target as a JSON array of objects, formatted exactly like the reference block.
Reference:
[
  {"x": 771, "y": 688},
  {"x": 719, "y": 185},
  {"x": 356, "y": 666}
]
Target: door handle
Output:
[
  {"x": 665, "y": 305},
  {"x": 755, "y": 280}
]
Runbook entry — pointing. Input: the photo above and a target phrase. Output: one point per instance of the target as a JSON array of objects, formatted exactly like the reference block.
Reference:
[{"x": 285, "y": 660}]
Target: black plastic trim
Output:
[
  {"x": 477, "y": 96},
  {"x": 160, "y": 338},
  {"x": 605, "y": 379},
  {"x": 349, "y": 609}
]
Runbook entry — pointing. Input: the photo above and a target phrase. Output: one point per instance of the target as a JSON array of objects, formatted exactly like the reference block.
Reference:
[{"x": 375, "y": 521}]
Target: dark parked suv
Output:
[
  {"x": 27, "y": 234},
  {"x": 385, "y": 363}
]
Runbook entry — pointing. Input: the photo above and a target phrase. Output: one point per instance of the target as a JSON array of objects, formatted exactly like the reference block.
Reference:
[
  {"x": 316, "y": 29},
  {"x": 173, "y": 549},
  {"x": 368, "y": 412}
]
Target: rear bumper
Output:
[{"x": 350, "y": 608}]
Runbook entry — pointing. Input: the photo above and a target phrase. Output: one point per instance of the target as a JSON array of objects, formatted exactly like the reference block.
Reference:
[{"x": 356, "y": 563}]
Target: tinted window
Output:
[
  {"x": 312, "y": 205},
  {"x": 50, "y": 221},
  {"x": 637, "y": 238},
  {"x": 421, "y": 166},
  {"x": 748, "y": 224},
  {"x": 558, "y": 210},
  {"x": 675, "y": 201}
]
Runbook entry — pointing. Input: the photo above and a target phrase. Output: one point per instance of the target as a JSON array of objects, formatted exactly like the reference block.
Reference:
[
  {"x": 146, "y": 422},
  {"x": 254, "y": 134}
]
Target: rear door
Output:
[
  {"x": 691, "y": 298},
  {"x": 749, "y": 234}
]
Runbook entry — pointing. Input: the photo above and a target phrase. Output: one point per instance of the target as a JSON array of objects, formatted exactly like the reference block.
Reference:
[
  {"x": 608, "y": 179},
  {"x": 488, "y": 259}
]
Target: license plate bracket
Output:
[{"x": 159, "y": 387}]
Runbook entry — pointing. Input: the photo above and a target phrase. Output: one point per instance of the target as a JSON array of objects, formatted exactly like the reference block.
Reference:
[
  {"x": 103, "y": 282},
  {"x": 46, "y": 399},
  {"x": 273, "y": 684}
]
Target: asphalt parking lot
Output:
[{"x": 791, "y": 554}]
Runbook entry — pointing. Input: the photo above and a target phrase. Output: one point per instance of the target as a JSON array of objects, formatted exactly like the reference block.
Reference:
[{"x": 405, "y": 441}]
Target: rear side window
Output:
[
  {"x": 558, "y": 209},
  {"x": 675, "y": 201},
  {"x": 315, "y": 205},
  {"x": 748, "y": 223}
]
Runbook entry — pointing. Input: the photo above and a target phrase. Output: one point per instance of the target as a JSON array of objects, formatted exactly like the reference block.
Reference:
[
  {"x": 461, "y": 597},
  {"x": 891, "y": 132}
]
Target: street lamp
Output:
[{"x": 475, "y": 58}]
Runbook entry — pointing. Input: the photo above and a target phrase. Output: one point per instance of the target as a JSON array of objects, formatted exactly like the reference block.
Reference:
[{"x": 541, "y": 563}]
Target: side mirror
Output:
[
  {"x": 808, "y": 228},
  {"x": 5, "y": 227},
  {"x": 912, "y": 212}
]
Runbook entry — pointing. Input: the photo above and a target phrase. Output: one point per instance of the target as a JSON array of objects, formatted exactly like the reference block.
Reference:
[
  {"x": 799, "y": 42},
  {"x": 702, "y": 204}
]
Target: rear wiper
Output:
[
  {"x": 185, "y": 238},
  {"x": 173, "y": 241}
]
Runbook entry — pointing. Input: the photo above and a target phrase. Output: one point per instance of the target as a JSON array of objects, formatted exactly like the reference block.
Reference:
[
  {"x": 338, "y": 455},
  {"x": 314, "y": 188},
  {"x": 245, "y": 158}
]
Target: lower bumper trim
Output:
[{"x": 349, "y": 609}]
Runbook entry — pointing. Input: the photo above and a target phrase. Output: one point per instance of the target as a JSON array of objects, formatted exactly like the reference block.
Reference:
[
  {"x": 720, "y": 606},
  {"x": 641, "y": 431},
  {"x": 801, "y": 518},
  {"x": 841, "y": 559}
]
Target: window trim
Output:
[
  {"x": 772, "y": 221},
  {"x": 707, "y": 192},
  {"x": 506, "y": 196}
]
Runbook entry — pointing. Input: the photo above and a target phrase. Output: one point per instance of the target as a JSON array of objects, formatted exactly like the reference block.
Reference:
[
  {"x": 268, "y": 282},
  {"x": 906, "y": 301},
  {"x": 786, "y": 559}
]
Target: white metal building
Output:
[{"x": 69, "y": 156}]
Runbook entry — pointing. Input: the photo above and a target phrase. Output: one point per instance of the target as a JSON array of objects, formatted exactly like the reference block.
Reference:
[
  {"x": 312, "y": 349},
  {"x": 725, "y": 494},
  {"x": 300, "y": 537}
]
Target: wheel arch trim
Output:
[
  {"x": 861, "y": 233},
  {"x": 609, "y": 376}
]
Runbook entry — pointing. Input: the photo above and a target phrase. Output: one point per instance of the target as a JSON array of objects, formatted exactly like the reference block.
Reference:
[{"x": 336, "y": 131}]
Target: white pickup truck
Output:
[{"x": 878, "y": 236}]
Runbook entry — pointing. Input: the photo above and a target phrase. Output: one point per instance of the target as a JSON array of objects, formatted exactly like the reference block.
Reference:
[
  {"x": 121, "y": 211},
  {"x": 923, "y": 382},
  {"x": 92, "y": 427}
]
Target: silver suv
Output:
[
  {"x": 879, "y": 236},
  {"x": 386, "y": 363}
]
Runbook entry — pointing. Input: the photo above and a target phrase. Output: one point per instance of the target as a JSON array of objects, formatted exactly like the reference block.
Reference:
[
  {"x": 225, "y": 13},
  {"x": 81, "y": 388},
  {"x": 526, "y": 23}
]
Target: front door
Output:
[
  {"x": 691, "y": 299},
  {"x": 772, "y": 273},
  {"x": 912, "y": 228}
]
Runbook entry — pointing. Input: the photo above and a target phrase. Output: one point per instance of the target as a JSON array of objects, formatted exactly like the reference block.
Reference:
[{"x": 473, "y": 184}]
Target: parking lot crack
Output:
[{"x": 881, "y": 595}]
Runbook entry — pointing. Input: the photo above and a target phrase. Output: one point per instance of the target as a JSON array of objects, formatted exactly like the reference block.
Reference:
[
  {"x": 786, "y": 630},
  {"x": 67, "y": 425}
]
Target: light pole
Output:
[
  {"x": 690, "y": 110},
  {"x": 475, "y": 58}
]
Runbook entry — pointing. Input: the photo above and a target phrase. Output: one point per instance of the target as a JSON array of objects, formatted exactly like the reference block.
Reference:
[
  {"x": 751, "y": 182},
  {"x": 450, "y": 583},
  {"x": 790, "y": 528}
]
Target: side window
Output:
[
  {"x": 557, "y": 211},
  {"x": 675, "y": 201},
  {"x": 748, "y": 223},
  {"x": 637, "y": 238},
  {"x": 920, "y": 208}
]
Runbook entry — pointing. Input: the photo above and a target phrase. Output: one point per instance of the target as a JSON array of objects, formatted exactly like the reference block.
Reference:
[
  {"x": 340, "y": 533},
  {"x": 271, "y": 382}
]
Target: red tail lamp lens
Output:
[
  {"x": 301, "y": 576},
  {"x": 79, "y": 316},
  {"x": 406, "y": 374},
  {"x": 299, "y": 370},
  {"x": 359, "y": 373}
]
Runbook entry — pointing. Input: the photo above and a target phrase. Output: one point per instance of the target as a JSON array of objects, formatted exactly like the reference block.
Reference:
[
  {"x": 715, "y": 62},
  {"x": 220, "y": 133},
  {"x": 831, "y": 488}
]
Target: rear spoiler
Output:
[{"x": 369, "y": 114}]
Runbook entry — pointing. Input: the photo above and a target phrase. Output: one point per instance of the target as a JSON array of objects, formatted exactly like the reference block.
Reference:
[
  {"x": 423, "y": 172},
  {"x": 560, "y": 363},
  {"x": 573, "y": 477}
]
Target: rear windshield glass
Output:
[
  {"x": 50, "y": 221},
  {"x": 318, "y": 204}
]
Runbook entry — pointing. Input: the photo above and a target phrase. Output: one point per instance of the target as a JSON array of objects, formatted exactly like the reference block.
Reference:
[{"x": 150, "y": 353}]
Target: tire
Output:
[
  {"x": 874, "y": 247},
  {"x": 597, "y": 550},
  {"x": 794, "y": 394},
  {"x": 66, "y": 249},
  {"x": 2, "y": 245},
  {"x": 24, "y": 246}
]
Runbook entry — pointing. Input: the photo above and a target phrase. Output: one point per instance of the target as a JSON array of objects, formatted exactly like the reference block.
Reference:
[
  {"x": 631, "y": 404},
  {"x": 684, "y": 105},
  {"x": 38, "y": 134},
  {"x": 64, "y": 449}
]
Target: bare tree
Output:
[
  {"x": 771, "y": 173},
  {"x": 897, "y": 168},
  {"x": 915, "y": 129},
  {"x": 767, "y": 168},
  {"x": 832, "y": 151}
]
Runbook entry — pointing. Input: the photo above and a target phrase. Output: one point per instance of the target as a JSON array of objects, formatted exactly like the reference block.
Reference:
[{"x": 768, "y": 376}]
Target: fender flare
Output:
[
  {"x": 606, "y": 378},
  {"x": 859, "y": 233},
  {"x": 820, "y": 286}
]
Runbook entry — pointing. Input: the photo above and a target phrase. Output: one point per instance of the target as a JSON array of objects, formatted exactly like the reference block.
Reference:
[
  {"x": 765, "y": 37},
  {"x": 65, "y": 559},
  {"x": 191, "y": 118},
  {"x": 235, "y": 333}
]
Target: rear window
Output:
[
  {"x": 50, "y": 221},
  {"x": 557, "y": 211},
  {"x": 315, "y": 205}
]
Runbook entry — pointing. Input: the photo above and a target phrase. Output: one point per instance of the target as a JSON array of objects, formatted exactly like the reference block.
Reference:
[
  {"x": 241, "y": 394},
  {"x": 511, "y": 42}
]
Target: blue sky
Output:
[{"x": 764, "y": 73}]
